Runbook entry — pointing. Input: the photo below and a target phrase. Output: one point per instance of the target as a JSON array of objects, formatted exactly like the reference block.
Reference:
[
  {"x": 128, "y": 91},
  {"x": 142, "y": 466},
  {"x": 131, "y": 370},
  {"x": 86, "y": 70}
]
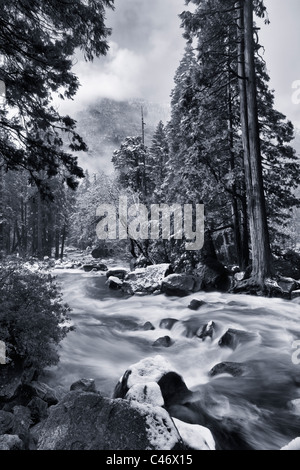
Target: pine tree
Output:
[{"x": 38, "y": 40}]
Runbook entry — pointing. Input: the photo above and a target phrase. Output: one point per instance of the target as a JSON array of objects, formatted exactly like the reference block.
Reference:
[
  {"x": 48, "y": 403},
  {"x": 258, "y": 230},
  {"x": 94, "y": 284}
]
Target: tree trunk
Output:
[
  {"x": 261, "y": 262},
  {"x": 39, "y": 226},
  {"x": 259, "y": 235}
]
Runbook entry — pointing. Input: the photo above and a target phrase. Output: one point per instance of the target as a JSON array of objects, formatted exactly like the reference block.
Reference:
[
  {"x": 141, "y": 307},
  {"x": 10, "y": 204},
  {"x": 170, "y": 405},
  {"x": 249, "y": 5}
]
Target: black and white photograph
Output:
[{"x": 149, "y": 228}]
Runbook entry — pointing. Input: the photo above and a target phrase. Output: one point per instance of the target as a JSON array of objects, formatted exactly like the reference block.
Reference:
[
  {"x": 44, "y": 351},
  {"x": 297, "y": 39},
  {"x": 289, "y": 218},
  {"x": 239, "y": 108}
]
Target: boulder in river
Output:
[
  {"x": 147, "y": 279},
  {"x": 89, "y": 421},
  {"x": 114, "y": 283},
  {"x": 117, "y": 272},
  {"x": 207, "y": 331},
  {"x": 164, "y": 341},
  {"x": 178, "y": 285},
  {"x": 168, "y": 323},
  {"x": 195, "y": 304},
  {"x": 148, "y": 326},
  {"x": 232, "y": 338},
  {"x": 236, "y": 369},
  {"x": 295, "y": 294},
  {"x": 94, "y": 267}
]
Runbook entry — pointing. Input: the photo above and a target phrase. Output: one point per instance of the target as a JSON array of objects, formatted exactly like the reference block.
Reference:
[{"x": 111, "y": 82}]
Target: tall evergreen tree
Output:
[{"x": 38, "y": 39}]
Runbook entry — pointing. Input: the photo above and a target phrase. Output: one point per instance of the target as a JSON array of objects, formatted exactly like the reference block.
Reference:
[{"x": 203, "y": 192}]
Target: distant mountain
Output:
[{"x": 105, "y": 124}]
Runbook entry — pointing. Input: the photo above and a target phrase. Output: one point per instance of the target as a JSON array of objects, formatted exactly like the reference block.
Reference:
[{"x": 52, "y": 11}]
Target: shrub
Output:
[{"x": 33, "y": 318}]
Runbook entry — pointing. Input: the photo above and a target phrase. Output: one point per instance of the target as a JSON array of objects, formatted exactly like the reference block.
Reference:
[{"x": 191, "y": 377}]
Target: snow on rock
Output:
[
  {"x": 149, "y": 393},
  {"x": 293, "y": 445},
  {"x": 161, "y": 432},
  {"x": 150, "y": 369},
  {"x": 147, "y": 279},
  {"x": 195, "y": 436}
]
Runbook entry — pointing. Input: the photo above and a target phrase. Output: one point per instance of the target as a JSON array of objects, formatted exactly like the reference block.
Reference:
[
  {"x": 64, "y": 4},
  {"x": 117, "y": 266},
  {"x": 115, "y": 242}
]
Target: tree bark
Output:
[
  {"x": 261, "y": 262},
  {"x": 259, "y": 234}
]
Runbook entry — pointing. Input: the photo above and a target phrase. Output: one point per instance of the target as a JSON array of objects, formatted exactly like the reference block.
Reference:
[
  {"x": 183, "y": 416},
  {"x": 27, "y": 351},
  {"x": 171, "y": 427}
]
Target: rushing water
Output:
[{"x": 109, "y": 337}]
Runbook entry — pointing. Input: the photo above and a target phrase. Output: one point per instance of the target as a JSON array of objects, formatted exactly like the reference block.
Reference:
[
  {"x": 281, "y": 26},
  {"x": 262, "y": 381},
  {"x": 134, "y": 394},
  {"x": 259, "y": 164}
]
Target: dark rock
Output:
[
  {"x": 214, "y": 275},
  {"x": 97, "y": 253},
  {"x": 236, "y": 369},
  {"x": 207, "y": 331},
  {"x": 195, "y": 304},
  {"x": 38, "y": 409},
  {"x": 44, "y": 392},
  {"x": 88, "y": 421},
  {"x": 85, "y": 385},
  {"x": 148, "y": 326},
  {"x": 22, "y": 423},
  {"x": 174, "y": 389},
  {"x": 232, "y": 338},
  {"x": 121, "y": 273},
  {"x": 168, "y": 323},
  {"x": 164, "y": 341},
  {"x": 272, "y": 289},
  {"x": 10, "y": 442},
  {"x": 295, "y": 294},
  {"x": 114, "y": 283},
  {"x": 288, "y": 265},
  {"x": 288, "y": 284},
  {"x": 178, "y": 285},
  {"x": 122, "y": 388},
  {"x": 6, "y": 422},
  {"x": 10, "y": 381},
  {"x": 94, "y": 267}
]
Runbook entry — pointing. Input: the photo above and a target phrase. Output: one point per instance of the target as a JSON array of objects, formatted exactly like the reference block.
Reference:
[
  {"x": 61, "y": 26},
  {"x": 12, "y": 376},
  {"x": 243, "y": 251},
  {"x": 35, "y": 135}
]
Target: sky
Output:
[{"x": 146, "y": 46}]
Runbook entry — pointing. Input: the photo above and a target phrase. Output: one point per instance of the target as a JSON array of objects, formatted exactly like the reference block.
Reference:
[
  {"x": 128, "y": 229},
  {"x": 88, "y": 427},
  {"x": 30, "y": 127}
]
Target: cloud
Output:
[{"x": 145, "y": 50}]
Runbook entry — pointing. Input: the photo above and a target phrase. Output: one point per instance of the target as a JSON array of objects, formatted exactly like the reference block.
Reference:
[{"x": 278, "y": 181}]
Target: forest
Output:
[{"x": 222, "y": 144}]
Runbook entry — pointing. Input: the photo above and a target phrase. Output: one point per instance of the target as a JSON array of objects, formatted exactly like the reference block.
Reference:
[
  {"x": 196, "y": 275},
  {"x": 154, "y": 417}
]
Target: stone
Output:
[
  {"x": 85, "y": 385},
  {"x": 207, "y": 331},
  {"x": 148, "y": 326},
  {"x": 6, "y": 422},
  {"x": 149, "y": 393},
  {"x": 236, "y": 369},
  {"x": 22, "y": 422},
  {"x": 168, "y": 323},
  {"x": 44, "y": 392},
  {"x": 195, "y": 304},
  {"x": 174, "y": 389},
  {"x": 10, "y": 442},
  {"x": 178, "y": 285},
  {"x": 121, "y": 273},
  {"x": 38, "y": 409},
  {"x": 288, "y": 284},
  {"x": 88, "y": 421},
  {"x": 295, "y": 294},
  {"x": 239, "y": 276},
  {"x": 232, "y": 338},
  {"x": 114, "y": 283},
  {"x": 164, "y": 341},
  {"x": 148, "y": 279},
  {"x": 214, "y": 275},
  {"x": 94, "y": 267}
]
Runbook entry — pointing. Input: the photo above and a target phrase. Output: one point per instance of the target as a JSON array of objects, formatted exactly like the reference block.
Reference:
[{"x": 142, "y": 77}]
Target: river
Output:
[{"x": 109, "y": 337}]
